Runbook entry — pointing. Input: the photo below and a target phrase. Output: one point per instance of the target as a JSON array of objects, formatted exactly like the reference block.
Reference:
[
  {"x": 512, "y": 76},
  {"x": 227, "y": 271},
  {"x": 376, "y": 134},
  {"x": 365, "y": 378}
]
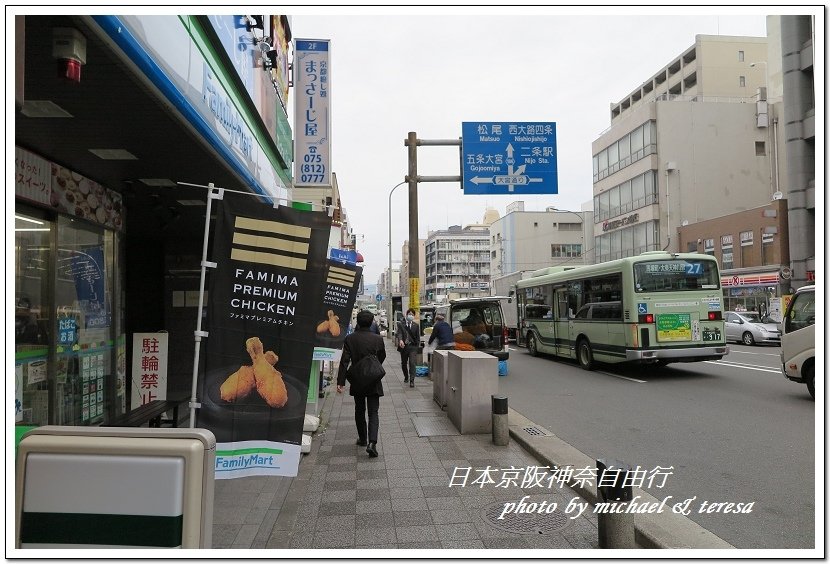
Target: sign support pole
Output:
[
  {"x": 198, "y": 334},
  {"x": 412, "y": 179}
]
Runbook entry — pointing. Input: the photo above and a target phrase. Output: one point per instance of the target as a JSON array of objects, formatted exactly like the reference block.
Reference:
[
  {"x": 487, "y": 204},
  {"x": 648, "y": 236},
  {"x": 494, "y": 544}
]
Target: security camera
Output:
[{"x": 264, "y": 46}]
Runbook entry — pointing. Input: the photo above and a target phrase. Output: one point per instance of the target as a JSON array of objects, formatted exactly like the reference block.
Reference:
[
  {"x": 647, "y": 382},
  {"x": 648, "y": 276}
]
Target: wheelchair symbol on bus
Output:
[{"x": 642, "y": 308}]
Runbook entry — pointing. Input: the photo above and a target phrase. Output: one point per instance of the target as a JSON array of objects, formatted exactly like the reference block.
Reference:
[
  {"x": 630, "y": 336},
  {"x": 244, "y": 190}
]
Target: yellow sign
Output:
[
  {"x": 414, "y": 292},
  {"x": 674, "y": 327}
]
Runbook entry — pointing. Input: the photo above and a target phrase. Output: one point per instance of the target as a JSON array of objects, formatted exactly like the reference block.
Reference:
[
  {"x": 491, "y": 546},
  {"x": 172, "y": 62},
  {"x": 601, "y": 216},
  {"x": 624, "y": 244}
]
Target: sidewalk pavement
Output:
[{"x": 402, "y": 499}]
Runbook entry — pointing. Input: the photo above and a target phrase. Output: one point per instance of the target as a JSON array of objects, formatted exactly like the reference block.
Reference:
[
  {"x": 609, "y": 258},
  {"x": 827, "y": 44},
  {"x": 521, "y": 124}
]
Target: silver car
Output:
[{"x": 748, "y": 328}]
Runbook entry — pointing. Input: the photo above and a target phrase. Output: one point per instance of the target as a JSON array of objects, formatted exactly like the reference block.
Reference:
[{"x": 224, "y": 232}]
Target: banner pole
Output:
[{"x": 198, "y": 334}]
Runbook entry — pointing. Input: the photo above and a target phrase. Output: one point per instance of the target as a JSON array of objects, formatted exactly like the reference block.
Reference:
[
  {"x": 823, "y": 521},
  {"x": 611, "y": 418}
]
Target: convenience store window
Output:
[
  {"x": 84, "y": 317},
  {"x": 32, "y": 259}
]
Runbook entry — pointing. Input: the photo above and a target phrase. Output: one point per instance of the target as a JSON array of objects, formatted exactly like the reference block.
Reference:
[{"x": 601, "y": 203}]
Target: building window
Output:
[
  {"x": 746, "y": 248},
  {"x": 709, "y": 247},
  {"x": 640, "y": 143},
  {"x": 767, "y": 252},
  {"x": 566, "y": 250},
  {"x": 691, "y": 246},
  {"x": 742, "y": 81},
  {"x": 727, "y": 261},
  {"x": 760, "y": 149},
  {"x": 740, "y": 56}
]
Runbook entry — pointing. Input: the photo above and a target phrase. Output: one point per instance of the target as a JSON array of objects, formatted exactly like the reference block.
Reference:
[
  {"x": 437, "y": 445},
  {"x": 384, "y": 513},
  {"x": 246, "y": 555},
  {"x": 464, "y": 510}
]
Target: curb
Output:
[{"x": 666, "y": 530}]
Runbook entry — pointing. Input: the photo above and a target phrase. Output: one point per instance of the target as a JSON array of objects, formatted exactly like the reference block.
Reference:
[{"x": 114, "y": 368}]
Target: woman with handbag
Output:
[
  {"x": 409, "y": 339},
  {"x": 360, "y": 363}
]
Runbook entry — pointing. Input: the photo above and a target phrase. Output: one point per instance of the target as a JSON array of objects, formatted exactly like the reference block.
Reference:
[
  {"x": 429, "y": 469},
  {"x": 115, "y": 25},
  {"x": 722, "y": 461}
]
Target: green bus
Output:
[{"x": 654, "y": 308}]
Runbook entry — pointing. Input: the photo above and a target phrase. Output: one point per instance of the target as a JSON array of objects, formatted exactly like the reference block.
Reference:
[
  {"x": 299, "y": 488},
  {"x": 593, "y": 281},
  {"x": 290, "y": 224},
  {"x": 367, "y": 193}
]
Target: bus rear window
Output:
[{"x": 675, "y": 275}]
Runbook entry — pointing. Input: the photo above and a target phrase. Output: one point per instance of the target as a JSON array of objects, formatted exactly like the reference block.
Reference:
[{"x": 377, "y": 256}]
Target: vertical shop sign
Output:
[
  {"x": 312, "y": 126},
  {"x": 342, "y": 281},
  {"x": 265, "y": 296},
  {"x": 149, "y": 374}
]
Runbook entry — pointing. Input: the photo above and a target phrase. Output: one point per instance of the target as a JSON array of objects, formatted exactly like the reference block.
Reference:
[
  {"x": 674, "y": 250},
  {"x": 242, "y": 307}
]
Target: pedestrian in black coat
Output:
[
  {"x": 408, "y": 335},
  {"x": 359, "y": 344}
]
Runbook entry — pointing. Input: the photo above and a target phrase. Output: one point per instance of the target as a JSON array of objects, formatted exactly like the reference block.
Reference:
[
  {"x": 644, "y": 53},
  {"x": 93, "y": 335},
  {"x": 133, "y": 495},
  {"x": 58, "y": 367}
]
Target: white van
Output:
[{"x": 798, "y": 338}]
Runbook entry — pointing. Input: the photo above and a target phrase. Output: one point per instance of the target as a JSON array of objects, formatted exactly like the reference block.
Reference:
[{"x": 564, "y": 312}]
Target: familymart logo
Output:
[{"x": 247, "y": 458}]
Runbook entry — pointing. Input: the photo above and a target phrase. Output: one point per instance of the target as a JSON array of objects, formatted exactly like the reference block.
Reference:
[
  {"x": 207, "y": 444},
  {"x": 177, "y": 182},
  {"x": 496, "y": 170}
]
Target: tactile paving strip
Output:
[
  {"x": 525, "y": 523},
  {"x": 422, "y": 406},
  {"x": 433, "y": 426}
]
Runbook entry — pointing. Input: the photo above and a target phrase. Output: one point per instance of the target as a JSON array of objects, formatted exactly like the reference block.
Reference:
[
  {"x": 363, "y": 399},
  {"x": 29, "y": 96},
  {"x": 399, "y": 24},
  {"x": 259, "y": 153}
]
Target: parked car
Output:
[
  {"x": 747, "y": 327},
  {"x": 478, "y": 322},
  {"x": 798, "y": 339}
]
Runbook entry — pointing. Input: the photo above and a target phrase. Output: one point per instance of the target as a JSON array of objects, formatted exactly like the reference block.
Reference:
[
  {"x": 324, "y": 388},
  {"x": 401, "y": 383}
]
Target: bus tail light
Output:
[
  {"x": 715, "y": 315},
  {"x": 646, "y": 318},
  {"x": 504, "y": 336}
]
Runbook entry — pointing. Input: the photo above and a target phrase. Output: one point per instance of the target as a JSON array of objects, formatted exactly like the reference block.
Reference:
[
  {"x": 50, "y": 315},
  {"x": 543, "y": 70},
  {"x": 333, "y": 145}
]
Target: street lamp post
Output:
[{"x": 389, "y": 278}]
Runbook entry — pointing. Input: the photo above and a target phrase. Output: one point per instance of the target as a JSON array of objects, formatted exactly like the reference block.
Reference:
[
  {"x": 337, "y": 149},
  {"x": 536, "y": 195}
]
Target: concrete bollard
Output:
[
  {"x": 614, "y": 525},
  {"x": 501, "y": 429}
]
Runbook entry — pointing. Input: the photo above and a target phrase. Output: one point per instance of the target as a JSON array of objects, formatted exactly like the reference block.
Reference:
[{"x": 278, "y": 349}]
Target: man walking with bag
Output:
[
  {"x": 360, "y": 349},
  {"x": 408, "y": 336}
]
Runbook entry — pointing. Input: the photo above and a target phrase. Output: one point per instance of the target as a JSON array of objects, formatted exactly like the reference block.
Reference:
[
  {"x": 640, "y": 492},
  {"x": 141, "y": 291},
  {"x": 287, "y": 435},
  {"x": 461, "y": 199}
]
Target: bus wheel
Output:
[
  {"x": 809, "y": 379},
  {"x": 585, "y": 355},
  {"x": 531, "y": 345}
]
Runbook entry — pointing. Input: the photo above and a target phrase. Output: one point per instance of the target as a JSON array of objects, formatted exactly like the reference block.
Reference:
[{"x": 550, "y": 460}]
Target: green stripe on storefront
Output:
[
  {"x": 242, "y": 451},
  {"x": 101, "y": 529},
  {"x": 211, "y": 56}
]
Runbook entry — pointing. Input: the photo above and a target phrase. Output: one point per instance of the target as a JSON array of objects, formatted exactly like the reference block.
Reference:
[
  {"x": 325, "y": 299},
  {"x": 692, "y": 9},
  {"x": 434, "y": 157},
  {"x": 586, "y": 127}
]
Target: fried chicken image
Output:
[
  {"x": 331, "y": 325},
  {"x": 238, "y": 385},
  {"x": 260, "y": 375},
  {"x": 269, "y": 382}
]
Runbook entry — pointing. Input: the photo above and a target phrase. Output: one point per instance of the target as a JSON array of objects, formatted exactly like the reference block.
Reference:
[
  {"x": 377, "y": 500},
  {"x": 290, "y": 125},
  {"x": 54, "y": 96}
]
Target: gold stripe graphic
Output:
[
  {"x": 341, "y": 277},
  {"x": 342, "y": 271},
  {"x": 272, "y": 227},
  {"x": 268, "y": 258},
  {"x": 270, "y": 243},
  {"x": 335, "y": 282}
]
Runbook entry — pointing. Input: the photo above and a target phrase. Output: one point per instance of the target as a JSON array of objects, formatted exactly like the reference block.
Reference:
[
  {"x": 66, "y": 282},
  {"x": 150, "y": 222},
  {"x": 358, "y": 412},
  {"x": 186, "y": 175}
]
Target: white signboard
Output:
[
  {"x": 312, "y": 119},
  {"x": 149, "y": 374},
  {"x": 32, "y": 176},
  {"x": 776, "y": 310}
]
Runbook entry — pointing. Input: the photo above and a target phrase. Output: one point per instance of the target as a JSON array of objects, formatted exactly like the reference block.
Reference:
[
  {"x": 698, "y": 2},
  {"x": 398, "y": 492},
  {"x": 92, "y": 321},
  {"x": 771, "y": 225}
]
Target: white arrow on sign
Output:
[{"x": 512, "y": 178}]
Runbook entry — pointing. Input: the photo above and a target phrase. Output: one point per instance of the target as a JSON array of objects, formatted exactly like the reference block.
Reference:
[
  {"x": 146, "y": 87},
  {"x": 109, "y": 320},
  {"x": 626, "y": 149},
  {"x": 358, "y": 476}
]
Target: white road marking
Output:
[
  {"x": 733, "y": 351},
  {"x": 746, "y": 366},
  {"x": 623, "y": 377}
]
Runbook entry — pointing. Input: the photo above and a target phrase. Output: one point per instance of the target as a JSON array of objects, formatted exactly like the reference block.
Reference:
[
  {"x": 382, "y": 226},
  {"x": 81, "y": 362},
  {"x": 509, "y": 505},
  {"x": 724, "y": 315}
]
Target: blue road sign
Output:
[
  {"x": 509, "y": 158},
  {"x": 348, "y": 257},
  {"x": 379, "y": 297}
]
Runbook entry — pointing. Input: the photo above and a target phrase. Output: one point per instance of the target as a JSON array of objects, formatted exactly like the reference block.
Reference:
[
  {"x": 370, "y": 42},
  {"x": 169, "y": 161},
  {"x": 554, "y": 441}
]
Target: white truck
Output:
[{"x": 504, "y": 287}]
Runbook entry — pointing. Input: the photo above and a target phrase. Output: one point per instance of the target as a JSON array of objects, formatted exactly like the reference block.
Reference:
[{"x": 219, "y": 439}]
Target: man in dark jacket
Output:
[
  {"x": 408, "y": 341},
  {"x": 442, "y": 332},
  {"x": 359, "y": 344}
]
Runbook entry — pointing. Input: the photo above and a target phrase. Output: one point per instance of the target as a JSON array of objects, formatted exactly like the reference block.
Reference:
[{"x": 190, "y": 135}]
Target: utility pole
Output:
[
  {"x": 412, "y": 179},
  {"x": 414, "y": 259}
]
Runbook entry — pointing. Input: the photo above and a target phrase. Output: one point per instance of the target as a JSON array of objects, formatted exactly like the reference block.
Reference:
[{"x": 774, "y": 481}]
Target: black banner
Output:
[
  {"x": 263, "y": 303},
  {"x": 339, "y": 294}
]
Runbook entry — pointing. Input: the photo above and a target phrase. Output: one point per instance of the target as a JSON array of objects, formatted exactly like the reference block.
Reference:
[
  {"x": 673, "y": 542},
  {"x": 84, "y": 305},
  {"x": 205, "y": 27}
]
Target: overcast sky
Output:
[{"x": 429, "y": 71}]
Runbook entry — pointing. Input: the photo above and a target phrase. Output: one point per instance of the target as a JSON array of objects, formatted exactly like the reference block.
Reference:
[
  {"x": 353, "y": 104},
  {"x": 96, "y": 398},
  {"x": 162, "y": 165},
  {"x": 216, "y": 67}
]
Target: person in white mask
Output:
[{"x": 408, "y": 336}]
